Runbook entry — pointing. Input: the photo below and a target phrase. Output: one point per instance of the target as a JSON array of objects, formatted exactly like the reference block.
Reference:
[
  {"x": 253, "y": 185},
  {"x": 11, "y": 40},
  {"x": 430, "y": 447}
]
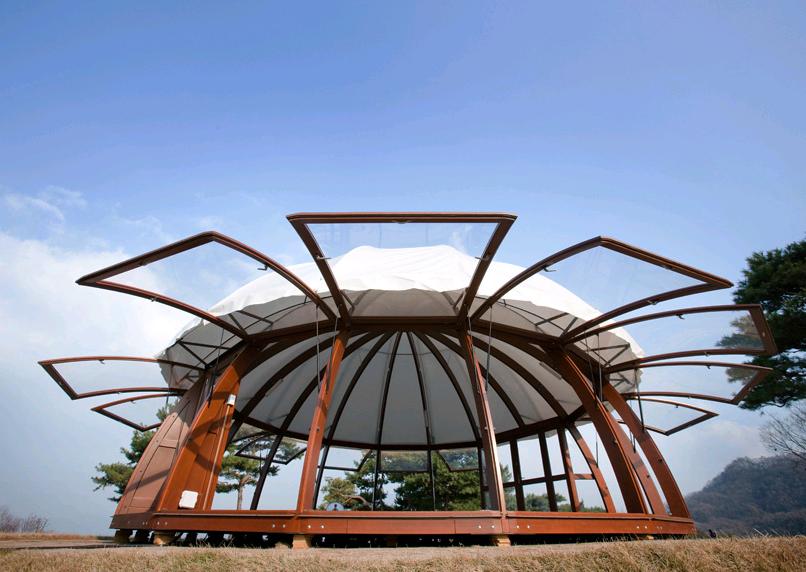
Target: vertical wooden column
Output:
[
  {"x": 667, "y": 482},
  {"x": 613, "y": 438},
  {"x": 487, "y": 430},
  {"x": 570, "y": 478},
  {"x": 305, "y": 500},
  {"x": 516, "y": 473},
  {"x": 547, "y": 472},
  {"x": 199, "y": 461}
]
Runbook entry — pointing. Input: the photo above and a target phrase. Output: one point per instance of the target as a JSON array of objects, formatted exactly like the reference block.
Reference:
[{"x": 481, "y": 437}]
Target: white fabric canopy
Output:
[{"x": 426, "y": 281}]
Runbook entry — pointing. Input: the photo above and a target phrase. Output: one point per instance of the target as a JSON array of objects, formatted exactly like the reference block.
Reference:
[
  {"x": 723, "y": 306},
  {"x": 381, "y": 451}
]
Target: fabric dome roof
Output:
[{"x": 401, "y": 389}]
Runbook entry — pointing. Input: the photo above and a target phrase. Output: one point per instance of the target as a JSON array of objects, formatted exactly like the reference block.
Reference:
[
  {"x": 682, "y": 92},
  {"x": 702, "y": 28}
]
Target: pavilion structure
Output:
[{"x": 404, "y": 343}]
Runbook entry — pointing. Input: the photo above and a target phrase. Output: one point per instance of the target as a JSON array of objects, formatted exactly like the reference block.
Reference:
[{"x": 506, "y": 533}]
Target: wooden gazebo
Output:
[{"x": 405, "y": 339}]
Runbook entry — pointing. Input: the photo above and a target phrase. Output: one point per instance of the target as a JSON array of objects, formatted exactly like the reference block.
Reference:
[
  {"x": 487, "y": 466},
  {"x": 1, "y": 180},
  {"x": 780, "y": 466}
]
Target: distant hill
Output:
[{"x": 766, "y": 494}]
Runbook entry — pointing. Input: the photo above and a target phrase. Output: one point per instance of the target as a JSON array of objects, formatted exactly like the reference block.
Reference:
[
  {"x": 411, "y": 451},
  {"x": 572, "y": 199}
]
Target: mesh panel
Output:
[
  {"x": 449, "y": 419},
  {"x": 404, "y": 421},
  {"x": 359, "y": 419}
]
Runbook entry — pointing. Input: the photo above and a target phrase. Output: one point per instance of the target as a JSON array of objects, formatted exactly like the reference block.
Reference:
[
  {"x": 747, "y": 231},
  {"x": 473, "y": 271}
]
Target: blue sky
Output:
[{"x": 679, "y": 128}]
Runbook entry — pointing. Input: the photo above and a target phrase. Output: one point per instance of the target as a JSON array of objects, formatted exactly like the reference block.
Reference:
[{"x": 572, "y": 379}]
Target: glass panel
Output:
[
  {"x": 531, "y": 461},
  {"x": 404, "y": 461},
  {"x": 663, "y": 416},
  {"x": 289, "y": 450},
  {"x": 461, "y": 459},
  {"x": 422, "y": 267},
  {"x": 457, "y": 487},
  {"x": 527, "y": 401},
  {"x": 715, "y": 380},
  {"x": 510, "y": 499},
  {"x": 345, "y": 458},
  {"x": 336, "y": 239},
  {"x": 110, "y": 374},
  {"x": 252, "y": 443},
  {"x": 456, "y": 364},
  {"x": 555, "y": 454},
  {"x": 588, "y": 433},
  {"x": 563, "y": 498},
  {"x": 585, "y": 285},
  {"x": 505, "y": 460},
  {"x": 280, "y": 491},
  {"x": 590, "y": 499},
  {"x": 339, "y": 491},
  {"x": 732, "y": 331},
  {"x": 144, "y": 412},
  {"x": 213, "y": 277},
  {"x": 535, "y": 498}
]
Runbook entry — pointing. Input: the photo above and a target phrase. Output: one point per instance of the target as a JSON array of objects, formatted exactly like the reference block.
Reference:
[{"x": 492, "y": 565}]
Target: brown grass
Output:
[
  {"x": 707, "y": 555},
  {"x": 7, "y": 536}
]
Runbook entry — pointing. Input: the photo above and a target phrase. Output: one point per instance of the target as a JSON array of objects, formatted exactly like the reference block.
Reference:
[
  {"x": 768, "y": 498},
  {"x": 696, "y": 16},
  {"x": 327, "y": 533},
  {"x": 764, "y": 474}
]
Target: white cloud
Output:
[
  {"x": 148, "y": 226},
  {"x": 43, "y": 308},
  {"x": 65, "y": 198},
  {"x": 51, "y": 201},
  {"x": 44, "y": 314},
  {"x": 19, "y": 202}
]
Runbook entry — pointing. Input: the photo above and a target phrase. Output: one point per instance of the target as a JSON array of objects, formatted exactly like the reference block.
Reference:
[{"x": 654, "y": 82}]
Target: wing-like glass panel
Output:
[
  {"x": 253, "y": 445},
  {"x": 215, "y": 278},
  {"x": 201, "y": 276},
  {"x": 339, "y": 238},
  {"x": 577, "y": 286},
  {"x": 714, "y": 381},
  {"x": 701, "y": 331},
  {"x": 420, "y": 267},
  {"x": 667, "y": 416},
  {"x": 141, "y": 412},
  {"x": 87, "y": 377}
]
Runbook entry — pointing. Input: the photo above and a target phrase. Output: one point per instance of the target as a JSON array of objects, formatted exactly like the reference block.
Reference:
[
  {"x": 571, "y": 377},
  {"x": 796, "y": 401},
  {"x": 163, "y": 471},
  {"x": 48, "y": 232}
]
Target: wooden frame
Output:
[{"x": 187, "y": 450}]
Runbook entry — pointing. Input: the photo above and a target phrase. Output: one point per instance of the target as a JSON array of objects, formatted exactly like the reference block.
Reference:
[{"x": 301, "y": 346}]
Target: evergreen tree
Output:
[
  {"x": 236, "y": 472},
  {"x": 777, "y": 280}
]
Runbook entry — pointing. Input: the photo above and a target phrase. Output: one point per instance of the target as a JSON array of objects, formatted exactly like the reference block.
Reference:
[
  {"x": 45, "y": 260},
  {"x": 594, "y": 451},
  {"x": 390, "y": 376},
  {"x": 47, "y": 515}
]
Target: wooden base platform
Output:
[{"x": 497, "y": 526}]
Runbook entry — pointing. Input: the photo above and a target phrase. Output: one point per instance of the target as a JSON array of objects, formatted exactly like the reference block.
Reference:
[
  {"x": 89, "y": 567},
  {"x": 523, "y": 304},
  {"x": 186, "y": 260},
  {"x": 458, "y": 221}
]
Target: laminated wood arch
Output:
[{"x": 404, "y": 341}]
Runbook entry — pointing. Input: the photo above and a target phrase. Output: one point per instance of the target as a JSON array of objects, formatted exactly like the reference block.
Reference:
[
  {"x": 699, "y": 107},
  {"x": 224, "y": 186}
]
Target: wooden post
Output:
[
  {"x": 494, "y": 485},
  {"x": 305, "y": 500},
  {"x": 199, "y": 461}
]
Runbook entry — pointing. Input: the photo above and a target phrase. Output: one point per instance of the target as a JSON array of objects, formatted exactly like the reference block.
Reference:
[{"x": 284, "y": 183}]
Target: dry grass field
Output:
[
  {"x": 35, "y": 536},
  {"x": 776, "y": 553}
]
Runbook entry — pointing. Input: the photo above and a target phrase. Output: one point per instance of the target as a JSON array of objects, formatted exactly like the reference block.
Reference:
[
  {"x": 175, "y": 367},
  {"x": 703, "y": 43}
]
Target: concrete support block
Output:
[
  {"x": 500, "y": 540},
  {"x": 300, "y": 542},
  {"x": 163, "y": 538}
]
